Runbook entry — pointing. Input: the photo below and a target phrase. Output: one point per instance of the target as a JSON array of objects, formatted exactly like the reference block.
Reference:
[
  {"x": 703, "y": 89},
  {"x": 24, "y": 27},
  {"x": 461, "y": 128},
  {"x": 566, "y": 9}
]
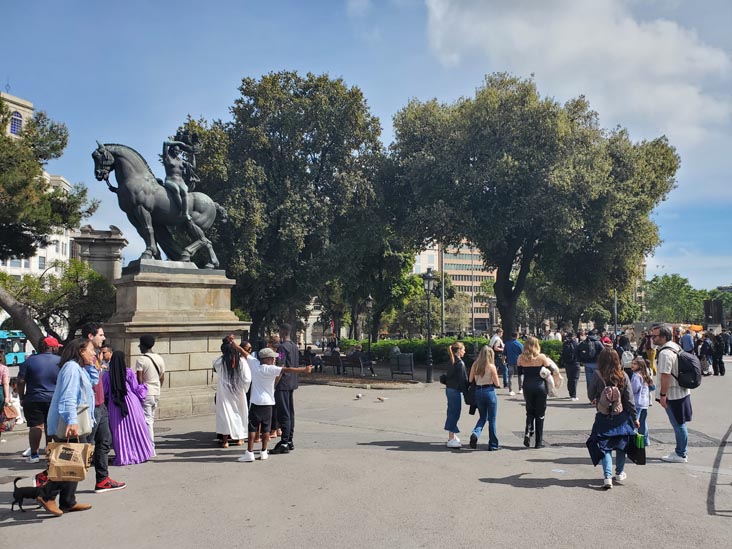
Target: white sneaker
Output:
[
  {"x": 454, "y": 443},
  {"x": 263, "y": 454},
  {"x": 674, "y": 458},
  {"x": 607, "y": 484},
  {"x": 620, "y": 477},
  {"x": 575, "y": 399},
  {"x": 521, "y": 391},
  {"x": 33, "y": 459},
  {"x": 511, "y": 394},
  {"x": 247, "y": 457},
  {"x": 27, "y": 452}
]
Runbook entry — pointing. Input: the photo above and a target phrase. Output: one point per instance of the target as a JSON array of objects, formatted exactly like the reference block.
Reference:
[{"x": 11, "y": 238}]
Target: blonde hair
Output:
[
  {"x": 453, "y": 349},
  {"x": 485, "y": 358},
  {"x": 531, "y": 348}
]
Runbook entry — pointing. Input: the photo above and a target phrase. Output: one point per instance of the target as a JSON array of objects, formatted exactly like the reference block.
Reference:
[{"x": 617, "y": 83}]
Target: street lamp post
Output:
[
  {"x": 429, "y": 285},
  {"x": 369, "y": 321}
]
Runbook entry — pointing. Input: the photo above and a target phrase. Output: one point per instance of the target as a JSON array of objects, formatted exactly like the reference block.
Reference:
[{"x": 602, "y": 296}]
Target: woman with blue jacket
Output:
[{"x": 73, "y": 388}]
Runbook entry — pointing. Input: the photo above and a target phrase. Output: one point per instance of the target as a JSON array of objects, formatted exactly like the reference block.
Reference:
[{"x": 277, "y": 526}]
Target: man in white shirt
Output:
[
  {"x": 676, "y": 400},
  {"x": 496, "y": 343},
  {"x": 262, "y": 398},
  {"x": 150, "y": 369}
]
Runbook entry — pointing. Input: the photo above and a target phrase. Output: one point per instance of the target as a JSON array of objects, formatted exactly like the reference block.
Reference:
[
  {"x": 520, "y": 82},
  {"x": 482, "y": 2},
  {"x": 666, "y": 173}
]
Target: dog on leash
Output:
[{"x": 23, "y": 492}]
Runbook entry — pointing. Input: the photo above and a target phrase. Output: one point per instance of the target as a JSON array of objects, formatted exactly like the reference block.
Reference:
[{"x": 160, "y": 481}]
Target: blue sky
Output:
[{"x": 129, "y": 72}]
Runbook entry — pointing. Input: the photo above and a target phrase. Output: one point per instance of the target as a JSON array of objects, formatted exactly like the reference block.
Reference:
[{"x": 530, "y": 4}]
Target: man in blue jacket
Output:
[{"x": 512, "y": 349}]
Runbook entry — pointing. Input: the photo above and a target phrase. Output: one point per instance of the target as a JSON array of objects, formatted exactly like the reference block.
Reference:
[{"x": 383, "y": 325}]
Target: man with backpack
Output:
[
  {"x": 571, "y": 365},
  {"x": 587, "y": 352},
  {"x": 674, "y": 398}
]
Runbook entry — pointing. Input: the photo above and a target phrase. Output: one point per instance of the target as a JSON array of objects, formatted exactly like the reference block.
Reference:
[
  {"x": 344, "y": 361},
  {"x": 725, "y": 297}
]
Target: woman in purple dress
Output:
[{"x": 124, "y": 397}]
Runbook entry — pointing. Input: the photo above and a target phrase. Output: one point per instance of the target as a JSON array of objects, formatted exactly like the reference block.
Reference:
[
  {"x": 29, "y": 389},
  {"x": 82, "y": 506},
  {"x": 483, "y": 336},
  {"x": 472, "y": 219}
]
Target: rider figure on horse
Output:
[{"x": 180, "y": 173}]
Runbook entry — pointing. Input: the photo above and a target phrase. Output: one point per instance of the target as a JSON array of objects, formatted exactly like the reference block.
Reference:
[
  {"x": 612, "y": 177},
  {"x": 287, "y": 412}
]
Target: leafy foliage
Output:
[
  {"x": 532, "y": 182},
  {"x": 31, "y": 209},
  {"x": 62, "y": 304}
]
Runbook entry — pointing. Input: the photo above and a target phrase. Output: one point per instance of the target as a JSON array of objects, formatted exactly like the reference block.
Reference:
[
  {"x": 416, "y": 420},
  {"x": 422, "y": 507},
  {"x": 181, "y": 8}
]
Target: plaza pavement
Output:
[{"x": 367, "y": 473}]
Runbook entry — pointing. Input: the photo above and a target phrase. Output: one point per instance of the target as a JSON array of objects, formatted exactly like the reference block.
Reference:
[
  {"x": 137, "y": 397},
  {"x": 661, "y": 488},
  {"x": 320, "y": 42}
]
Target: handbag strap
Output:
[{"x": 154, "y": 363}]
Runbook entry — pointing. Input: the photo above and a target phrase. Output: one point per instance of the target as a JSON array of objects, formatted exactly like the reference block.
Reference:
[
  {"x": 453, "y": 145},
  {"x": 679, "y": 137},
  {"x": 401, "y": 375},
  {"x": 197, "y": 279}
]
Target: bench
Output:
[
  {"x": 340, "y": 363},
  {"x": 402, "y": 364}
]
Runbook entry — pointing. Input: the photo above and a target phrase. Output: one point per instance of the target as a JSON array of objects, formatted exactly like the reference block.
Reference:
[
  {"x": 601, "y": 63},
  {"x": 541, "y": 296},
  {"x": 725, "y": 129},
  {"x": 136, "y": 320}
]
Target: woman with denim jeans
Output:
[
  {"x": 456, "y": 382},
  {"x": 612, "y": 431},
  {"x": 485, "y": 376}
]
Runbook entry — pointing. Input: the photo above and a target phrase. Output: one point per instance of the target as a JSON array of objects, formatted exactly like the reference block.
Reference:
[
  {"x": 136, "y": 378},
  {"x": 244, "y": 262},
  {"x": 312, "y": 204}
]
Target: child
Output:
[{"x": 641, "y": 382}]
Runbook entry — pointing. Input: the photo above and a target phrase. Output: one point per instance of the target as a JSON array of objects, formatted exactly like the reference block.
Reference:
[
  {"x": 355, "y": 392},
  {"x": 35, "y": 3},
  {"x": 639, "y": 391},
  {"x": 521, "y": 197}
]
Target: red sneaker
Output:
[{"x": 108, "y": 485}]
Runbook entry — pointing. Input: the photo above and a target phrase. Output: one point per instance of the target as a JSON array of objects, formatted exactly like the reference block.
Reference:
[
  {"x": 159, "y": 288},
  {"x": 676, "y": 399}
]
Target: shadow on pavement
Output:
[
  {"x": 531, "y": 482},
  {"x": 415, "y": 446}
]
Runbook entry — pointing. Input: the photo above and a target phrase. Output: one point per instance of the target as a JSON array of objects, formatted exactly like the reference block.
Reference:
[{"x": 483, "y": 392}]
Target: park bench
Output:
[
  {"x": 340, "y": 363},
  {"x": 402, "y": 364}
]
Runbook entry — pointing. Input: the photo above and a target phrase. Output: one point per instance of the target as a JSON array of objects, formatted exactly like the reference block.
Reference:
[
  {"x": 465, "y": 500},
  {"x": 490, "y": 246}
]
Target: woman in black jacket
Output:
[{"x": 456, "y": 382}]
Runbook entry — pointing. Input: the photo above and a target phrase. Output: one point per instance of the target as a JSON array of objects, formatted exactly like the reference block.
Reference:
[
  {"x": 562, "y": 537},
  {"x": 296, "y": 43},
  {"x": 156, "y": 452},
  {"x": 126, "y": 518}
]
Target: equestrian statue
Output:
[{"x": 154, "y": 206}]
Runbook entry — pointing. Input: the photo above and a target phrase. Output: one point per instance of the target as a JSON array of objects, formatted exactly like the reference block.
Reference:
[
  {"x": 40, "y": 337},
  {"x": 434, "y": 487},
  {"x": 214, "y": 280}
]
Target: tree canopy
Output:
[
  {"x": 62, "y": 304},
  {"x": 532, "y": 182},
  {"x": 31, "y": 209},
  {"x": 296, "y": 157}
]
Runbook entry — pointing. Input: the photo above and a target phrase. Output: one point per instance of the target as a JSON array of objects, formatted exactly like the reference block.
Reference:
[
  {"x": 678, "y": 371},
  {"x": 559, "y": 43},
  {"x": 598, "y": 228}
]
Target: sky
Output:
[{"x": 130, "y": 72}]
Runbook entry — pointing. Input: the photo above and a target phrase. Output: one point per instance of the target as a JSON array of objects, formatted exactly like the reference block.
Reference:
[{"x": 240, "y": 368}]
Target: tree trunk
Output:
[
  {"x": 257, "y": 329},
  {"x": 21, "y": 317}
]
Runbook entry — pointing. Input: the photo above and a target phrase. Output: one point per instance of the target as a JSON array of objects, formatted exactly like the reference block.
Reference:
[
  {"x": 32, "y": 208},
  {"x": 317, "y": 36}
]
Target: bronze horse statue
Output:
[{"x": 149, "y": 206}]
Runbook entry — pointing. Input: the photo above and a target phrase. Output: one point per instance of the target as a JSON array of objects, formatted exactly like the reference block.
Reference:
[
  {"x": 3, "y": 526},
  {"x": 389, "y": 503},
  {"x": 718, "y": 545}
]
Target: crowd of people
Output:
[
  {"x": 620, "y": 385},
  {"x": 87, "y": 383},
  {"x": 86, "y": 391}
]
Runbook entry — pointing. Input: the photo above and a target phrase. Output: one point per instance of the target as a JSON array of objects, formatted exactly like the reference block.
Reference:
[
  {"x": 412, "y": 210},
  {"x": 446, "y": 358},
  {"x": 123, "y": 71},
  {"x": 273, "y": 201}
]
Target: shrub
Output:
[{"x": 552, "y": 349}]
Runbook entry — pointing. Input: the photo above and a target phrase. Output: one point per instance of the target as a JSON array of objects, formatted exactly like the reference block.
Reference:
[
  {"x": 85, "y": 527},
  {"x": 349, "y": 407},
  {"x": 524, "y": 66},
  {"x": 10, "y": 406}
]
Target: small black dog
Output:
[{"x": 23, "y": 492}]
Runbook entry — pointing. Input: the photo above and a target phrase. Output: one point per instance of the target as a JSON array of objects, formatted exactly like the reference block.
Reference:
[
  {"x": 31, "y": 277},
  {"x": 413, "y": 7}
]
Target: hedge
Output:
[{"x": 381, "y": 350}]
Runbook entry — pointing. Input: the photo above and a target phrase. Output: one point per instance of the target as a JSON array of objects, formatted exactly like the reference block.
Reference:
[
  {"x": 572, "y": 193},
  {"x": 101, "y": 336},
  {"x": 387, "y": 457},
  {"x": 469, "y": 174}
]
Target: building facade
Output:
[{"x": 464, "y": 266}]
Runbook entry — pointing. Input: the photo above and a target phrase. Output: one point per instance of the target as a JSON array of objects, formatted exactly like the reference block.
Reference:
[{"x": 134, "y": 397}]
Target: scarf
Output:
[{"x": 118, "y": 381}]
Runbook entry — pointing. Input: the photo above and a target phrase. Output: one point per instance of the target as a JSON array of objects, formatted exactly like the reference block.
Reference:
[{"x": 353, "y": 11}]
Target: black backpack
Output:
[
  {"x": 690, "y": 372},
  {"x": 587, "y": 351},
  {"x": 568, "y": 353}
]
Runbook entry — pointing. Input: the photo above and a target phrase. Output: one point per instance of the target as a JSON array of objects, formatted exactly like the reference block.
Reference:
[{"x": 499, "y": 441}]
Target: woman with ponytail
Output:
[{"x": 456, "y": 382}]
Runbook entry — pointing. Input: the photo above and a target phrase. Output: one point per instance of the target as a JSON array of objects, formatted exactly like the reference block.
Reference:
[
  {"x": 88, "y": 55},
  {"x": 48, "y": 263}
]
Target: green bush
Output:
[
  {"x": 381, "y": 350},
  {"x": 552, "y": 349}
]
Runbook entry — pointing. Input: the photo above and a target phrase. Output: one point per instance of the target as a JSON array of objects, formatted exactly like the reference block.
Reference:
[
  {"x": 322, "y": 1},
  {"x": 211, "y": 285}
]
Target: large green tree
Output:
[
  {"x": 528, "y": 180},
  {"x": 296, "y": 154},
  {"x": 671, "y": 298},
  {"x": 31, "y": 209}
]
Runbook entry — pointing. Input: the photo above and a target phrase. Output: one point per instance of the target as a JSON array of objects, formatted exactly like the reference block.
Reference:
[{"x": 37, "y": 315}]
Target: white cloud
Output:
[
  {"x": 653, "y": 76},
  {"x": 358, "y": 8}
]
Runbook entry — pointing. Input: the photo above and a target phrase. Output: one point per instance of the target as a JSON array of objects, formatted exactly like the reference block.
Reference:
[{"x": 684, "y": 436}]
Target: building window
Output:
[
  {"x": 26, "y": 263},
  {"x": 55, "y": 245},
  {"x": 41, "y": 262},
  {"x": 16, "y": 123},
  {"x": 64, "y": 248},
  {"x": 15, "y": 263}
]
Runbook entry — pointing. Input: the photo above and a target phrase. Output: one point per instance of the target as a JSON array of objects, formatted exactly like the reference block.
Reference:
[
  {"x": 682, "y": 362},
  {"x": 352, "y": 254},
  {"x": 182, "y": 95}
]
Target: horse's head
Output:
[{"x": 103, "y": 162}]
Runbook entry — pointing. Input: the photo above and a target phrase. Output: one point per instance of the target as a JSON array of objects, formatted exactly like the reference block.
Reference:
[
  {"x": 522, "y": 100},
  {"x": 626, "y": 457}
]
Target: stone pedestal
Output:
[{"x": 188, "y": 310}]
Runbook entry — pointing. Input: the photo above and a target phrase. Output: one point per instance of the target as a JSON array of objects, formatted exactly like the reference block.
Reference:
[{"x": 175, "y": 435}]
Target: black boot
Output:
[
  {"x": 539, "y": 443},
  {"x": 529, "y": 431}
]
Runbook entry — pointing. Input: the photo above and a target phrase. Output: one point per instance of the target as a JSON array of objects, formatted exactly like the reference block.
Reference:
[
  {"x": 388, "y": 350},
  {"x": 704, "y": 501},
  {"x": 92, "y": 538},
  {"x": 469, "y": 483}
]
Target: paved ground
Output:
[{"x": 368, "y": 473}]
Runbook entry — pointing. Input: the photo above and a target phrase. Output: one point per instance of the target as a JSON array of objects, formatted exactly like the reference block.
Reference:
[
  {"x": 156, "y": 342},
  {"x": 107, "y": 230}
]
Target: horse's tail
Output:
[{"x": 222, "y": 212}]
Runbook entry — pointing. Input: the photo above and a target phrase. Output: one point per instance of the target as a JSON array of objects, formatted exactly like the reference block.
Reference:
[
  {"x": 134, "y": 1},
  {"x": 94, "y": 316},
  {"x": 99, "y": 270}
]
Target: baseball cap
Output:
[
  {"x": 51, "y": 341},
  {"x": 267, "y": 353}
]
